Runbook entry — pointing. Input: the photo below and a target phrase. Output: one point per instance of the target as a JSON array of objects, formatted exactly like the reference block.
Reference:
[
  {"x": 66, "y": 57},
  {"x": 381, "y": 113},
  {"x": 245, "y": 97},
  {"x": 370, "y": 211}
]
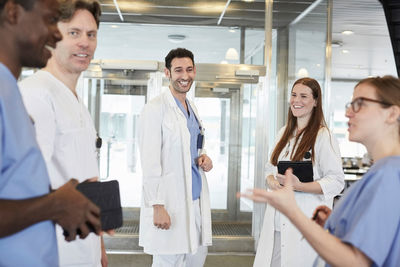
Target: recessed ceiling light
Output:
[
  {"x": 336, "y": 44},
  {"x": 233, "y": 29},
  {"x": 232, "y": 54},
  {"x": 345, "y": 51},
  {"x": 223, "y": 62},
  {"x": 302, "y": 72},
  {"x": 114, "y": 26},
  {"x": 248, "y": 0},
  {"x": 176, "y": 38},
  {"x": 347, "y": 32}
]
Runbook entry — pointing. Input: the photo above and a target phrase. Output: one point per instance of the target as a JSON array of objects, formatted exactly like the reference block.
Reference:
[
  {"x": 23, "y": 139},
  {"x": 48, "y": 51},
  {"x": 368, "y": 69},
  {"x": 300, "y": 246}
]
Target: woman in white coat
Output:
[{"x": 305, "y": 137}]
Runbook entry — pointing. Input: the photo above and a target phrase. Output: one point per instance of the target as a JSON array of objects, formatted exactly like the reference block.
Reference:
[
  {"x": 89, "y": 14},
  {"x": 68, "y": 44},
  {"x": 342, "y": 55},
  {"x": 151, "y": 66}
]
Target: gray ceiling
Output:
[
  {"x": 369, "y": 48},
  {"x": 202, "y": 12}
]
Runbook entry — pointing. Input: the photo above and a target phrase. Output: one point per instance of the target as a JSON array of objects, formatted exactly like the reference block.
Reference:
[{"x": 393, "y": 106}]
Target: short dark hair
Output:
[
  {"x": 26, "y": 4},
  {"x": 69, "y": 7},
  {"x": 179, "y": 53}
]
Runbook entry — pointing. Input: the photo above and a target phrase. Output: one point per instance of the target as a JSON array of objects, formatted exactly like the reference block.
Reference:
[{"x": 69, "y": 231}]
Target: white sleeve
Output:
[
  {"x": 329, "y": 164},
  {"x": 40, "y": 107},
  {"x": 150, "y": 144}
]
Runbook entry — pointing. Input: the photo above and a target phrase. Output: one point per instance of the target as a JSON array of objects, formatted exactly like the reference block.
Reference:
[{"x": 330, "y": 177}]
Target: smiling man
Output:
[
  {"x": 64, "y": 128},
  {"x": 28, "y": 210},
  {"x": 175, "y": 218}
]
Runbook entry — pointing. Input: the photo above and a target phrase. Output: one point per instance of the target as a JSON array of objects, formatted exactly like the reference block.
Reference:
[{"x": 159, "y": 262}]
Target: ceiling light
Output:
[
  {"x": 336, "y": 44},
  {"x": 233, "y": 29},
  {"x": 232, "y": 54},
  {"x": 176, "y": 38},
  {"x": 223, "y": 62},
  {"x": 303, "y": 72},
  {"x": 345, "y": 51},
  {"x": 248, "y": 0},
  {"x": 347, "y": 32},
  {"x": 114, "y": 26}
]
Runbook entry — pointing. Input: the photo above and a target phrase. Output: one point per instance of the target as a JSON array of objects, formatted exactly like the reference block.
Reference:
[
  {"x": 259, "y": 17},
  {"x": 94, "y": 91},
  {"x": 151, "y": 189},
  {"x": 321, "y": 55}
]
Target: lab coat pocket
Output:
[
  {"x": 170, "y": 132},
  {"x": 174, "y": 193}
]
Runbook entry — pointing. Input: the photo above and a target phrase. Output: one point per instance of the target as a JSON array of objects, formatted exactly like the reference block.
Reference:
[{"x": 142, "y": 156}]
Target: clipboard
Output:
[{"x": 302, "y": 169}]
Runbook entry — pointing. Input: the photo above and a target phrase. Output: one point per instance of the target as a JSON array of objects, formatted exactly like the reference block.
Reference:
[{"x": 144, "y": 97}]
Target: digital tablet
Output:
[
  {"x": 106, "y": 196},
  {"x": 302, "y": 169}
]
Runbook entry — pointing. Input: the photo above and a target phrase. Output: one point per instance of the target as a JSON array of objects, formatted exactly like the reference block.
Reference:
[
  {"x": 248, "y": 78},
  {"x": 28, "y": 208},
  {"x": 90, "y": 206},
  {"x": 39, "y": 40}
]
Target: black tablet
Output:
[
  {"x": 106, "y": 196},
  {"x": 302, "y": 169}
]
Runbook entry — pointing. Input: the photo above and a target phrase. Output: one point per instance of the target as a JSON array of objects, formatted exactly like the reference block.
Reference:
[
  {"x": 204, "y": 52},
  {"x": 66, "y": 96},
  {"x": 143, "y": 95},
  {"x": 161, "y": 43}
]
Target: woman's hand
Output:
[
  {"x": 295, "y": 180},
  {"x": 321, "y": 214},
  {"x": 273, "y": 183},
  {"x": 282, "y": 199}
]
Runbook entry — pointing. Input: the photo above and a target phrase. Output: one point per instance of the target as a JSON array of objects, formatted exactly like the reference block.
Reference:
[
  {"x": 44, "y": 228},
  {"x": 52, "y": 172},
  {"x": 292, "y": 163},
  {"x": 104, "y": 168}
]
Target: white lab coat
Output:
[
  {"x": 164, "y": 144},
  {"x": 66, "y": 136},
  {"x": 327, "y": 168}
]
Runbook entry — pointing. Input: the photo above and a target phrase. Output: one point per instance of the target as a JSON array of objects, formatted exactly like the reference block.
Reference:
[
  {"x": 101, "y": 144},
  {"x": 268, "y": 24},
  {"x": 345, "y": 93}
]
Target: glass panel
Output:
[
  {"x": 254, "y": 46},
  {"x": 248, "y": 143},
  {"x": 343, "y": 94},
  {"x": 307, "y": 47},
  {"x": 249, "y": 119},
  {"x": 215, "y": 115},
  {"x": 119, "y": 154}
]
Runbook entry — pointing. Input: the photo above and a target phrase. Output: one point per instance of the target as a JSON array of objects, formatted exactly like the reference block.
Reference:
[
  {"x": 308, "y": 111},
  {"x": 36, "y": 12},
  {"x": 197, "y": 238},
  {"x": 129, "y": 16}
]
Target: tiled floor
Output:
[{"x": 142, "y": 260}]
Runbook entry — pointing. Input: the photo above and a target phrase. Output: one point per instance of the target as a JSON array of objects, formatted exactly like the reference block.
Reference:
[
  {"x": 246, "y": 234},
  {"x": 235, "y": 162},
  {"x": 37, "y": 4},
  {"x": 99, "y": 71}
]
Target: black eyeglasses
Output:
[{"x": 357, "y": 103}]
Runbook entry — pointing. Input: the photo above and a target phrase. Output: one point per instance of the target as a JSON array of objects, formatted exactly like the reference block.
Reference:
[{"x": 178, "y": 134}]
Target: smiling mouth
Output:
[
  {"x": 297, "y": 107},
  {"x": 81, "y": 55},
  {"x": 48, "y": 47},
  {"x": 184, "y": 83}
]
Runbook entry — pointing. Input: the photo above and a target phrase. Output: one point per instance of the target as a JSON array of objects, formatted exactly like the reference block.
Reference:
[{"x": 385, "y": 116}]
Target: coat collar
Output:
[{"x": 171, "y": 102}]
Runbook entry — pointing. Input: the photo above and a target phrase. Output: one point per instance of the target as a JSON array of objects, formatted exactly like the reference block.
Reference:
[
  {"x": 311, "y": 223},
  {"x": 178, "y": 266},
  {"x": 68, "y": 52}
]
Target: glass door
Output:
[
  {"x": 115, "y": 100},
  {"x": 221, "y": 112}
]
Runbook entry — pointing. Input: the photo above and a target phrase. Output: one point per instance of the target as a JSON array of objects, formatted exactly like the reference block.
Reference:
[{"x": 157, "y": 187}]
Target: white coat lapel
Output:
[{"x": 185, "y": 140}]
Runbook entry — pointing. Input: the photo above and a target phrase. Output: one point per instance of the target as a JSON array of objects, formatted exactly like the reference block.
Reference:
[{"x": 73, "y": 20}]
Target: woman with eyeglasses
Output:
[
  {"x": 364, "y": 227},
  {"x": 304, "y": 138}
]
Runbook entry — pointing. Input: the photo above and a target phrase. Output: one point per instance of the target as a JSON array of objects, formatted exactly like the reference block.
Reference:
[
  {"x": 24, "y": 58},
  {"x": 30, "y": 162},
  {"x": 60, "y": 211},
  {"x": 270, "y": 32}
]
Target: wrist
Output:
[
  {"x": 53, "y": 206},
  {"x": 294, "y": 213},
  {"x": 158, "y": 207},
  {"x": 299, "y": 187}
]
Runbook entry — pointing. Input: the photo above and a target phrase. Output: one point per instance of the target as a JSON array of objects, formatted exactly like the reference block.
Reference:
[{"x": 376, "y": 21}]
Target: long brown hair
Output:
[
  {"x": 387, "y": 89},
  {"x": 309, "y": 133}
]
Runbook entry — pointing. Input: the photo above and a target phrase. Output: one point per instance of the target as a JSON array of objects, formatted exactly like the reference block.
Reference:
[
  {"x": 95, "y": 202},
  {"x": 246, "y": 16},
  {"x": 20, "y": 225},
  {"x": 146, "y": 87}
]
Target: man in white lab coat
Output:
[
  {"x": 64, "y": 129},
  {"x": 175, "y": 218}
]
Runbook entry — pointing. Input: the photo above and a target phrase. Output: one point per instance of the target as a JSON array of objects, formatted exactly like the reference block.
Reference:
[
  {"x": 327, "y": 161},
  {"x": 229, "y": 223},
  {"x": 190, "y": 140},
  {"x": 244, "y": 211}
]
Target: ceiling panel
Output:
[{"x": 202, "y": 12}]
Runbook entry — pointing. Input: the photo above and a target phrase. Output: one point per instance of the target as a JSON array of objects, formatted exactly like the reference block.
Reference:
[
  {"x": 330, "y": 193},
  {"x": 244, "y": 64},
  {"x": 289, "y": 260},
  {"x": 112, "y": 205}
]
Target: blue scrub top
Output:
[
  {"x": 23, "y": 175},
  {"x": 368, "y": 216},
  {"x": 194, "y": 129}
]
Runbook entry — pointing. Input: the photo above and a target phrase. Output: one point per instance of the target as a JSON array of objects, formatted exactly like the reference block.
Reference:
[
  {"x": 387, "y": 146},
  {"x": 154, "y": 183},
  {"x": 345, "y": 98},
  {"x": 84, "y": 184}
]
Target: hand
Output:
[
  {"x": 161, "y": 218},
  {"x": 321, "y": 214},
  {"x": 295, "y": 180},
  {"x": 205, "y": 162},
  {"x": 93, "y": 179},
  {"x": 281, "y": 199},
  {"x": 272, "y": 183},
  {"x": 75, "y": 211},
  {"x": 104, "y": 259}
]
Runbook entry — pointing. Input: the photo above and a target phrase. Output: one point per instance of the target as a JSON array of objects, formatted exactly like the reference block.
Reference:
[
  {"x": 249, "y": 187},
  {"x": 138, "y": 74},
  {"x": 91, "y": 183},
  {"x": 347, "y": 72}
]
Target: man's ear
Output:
[
  {"x": 11, "y": 12},
  {"x": 167, "y": 73}
]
